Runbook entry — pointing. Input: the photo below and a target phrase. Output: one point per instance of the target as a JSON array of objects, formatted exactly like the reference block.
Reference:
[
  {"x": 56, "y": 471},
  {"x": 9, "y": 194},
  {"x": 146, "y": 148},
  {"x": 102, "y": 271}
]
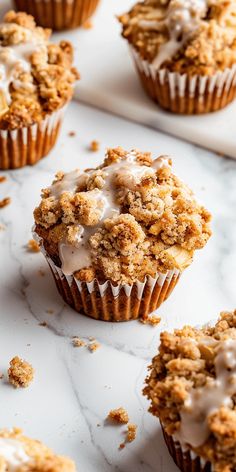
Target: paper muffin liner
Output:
[
  {"x": 109, "y": 302},
  {"x": 26, "y": 146},
  {"x": 58, "y": 14},
  {"x": 183, "y": 94},
  {"x": 185, "y": 459}
]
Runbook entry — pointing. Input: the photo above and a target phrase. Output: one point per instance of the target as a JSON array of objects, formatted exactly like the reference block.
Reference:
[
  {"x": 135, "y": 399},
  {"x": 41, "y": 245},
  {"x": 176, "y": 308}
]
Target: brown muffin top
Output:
[
  {"x": 192, "y": 388},
  {"x": 36, "y": 77},
  {"x": 193, "y": 36},
  {"x": 126, "y": 219},
  {"x": 22, "y": 454}
]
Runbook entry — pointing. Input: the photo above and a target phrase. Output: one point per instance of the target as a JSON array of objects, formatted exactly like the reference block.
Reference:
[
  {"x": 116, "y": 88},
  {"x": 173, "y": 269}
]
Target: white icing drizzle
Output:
[
  {"x": 14, "y": 453},
  {"x": 182, "y": 18},
  {"x": 204, "y": 401},
  {"x": 15, "y": 59},
  {"x": 73, "y": 257}
]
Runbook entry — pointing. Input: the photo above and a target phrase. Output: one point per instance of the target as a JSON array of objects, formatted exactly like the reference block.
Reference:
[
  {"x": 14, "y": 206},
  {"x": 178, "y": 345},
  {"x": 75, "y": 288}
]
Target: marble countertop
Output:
[{"x": 74, "y": 389}]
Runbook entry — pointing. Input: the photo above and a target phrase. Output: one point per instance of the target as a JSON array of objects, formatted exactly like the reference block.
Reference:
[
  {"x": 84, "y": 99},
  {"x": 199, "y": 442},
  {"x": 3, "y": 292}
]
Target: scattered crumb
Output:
[
  {"x": 119, "y": 415},
  {"x": 221, "y": 154},
  {"x": 151, "y": 319},
  {"x": 1, "y": 376},
  {"x": 20, "y": 373},
  {"x": 4, "y": 202},
  {"x": 98, "y": 425},
  {"x": 131, "y": 432},
  {"x": 88, "y": 24},
  {"x": 50, "y": 311},
  {"x": 94, "y": 346},
  {"x": 91, "y": 338},
  {"x": 94, "y": 146},
  {"x": 33, "y": 246},
  {"x": 28, "y": 345},
  {"x": 2, "y": 227},
  {"x": 121, "y": 446},
  {"x": 72, "y": 134},
  {"x": 43, "y": 323},
  {"x": 2, "y": 179},
  {"x": 41, "y": 272},
  {"x": 77, "y": 342}
]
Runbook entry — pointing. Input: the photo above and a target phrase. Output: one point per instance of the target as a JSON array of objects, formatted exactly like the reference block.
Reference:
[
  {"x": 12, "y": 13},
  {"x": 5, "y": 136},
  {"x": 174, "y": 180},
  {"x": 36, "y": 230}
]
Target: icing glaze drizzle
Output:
[{"x": 13, "y": 452}]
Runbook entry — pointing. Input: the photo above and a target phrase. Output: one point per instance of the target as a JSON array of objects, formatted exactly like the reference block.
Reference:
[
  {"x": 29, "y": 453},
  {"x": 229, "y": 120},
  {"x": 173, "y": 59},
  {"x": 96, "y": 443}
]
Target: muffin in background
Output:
[
  {"x": 118, "y": 237},
  {"x": 59, "y": 14},
  {"x": 192, "y": 388},
  {"x": 184, "y": 52},
  {"x": 36, "y": 79},
  {"x": 20, "y": 453}
]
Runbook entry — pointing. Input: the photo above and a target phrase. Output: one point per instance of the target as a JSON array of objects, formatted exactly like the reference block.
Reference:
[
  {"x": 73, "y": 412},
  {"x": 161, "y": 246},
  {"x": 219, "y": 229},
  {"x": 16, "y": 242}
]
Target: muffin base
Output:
[
  {"x": 58, "y": 15},
  {"x": 181, "y": 94},
  {"x": 107, "y": 302},
  {"x": 28, "y": 145},
  {"x": 187, "y": 461}
]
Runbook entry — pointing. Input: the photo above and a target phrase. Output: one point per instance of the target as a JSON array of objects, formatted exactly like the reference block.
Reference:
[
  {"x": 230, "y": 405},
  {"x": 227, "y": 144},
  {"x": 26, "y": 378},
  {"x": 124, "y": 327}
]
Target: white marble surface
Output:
[{"x": 74, "y": 389}]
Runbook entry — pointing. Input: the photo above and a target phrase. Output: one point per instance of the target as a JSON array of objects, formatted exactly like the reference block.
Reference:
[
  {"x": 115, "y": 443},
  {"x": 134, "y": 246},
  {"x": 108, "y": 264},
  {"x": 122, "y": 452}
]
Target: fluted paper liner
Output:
[
  {"x": 185, "y": 459},
  {"x": 26, "y": 146},
  {"x": 185, "y": 94},
  {"x": 109, "y": 302},
  {"x": 58, "y": 14}
]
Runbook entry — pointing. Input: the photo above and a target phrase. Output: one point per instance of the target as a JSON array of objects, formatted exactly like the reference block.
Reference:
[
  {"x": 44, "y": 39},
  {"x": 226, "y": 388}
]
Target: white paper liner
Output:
[
  {"x": 180, "y": 84},
  {"x": 150, "y": 281},
  {"x": 26, "y": 137}
]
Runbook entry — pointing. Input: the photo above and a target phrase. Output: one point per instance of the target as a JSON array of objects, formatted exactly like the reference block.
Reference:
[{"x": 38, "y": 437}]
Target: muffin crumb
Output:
[
  {"x": 77, "y": 342},
  {"x": 33, "y": 246},
  {"x": 122, "y": 446},
  {"x": 2, "y": 179},
  {"x": 50, "y": 311},
  {"x": 20, "y": 373},
  {"x": 4, "y": 202},
  {"x": 119, "y": 415},
  {"x": 151, "y": 319},
  {"x": 131, "y": 432},
  {"x": 94, "y": 346},
  {"x": 72, "y": 134},
  {"x": 88, "y": 24},
  {"x": 43, "y": 323},
  {"x": 94, "y": 146}
]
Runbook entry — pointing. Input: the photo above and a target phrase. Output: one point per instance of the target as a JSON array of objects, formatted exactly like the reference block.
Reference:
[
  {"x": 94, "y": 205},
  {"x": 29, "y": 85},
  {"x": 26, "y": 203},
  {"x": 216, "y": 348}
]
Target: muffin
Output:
[
  {"x": 192, "y": 388},
  {"x": 59, "y": 14},
  {"x": 185, "y": 52},
  {"x": 36, "y": 79},
  {"x": 21, "y": 454},
  {"x": 118, "y": 237}
]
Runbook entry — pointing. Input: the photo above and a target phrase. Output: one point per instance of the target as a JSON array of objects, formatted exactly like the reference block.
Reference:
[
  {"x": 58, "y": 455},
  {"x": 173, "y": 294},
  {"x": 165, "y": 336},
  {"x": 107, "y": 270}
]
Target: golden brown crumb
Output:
[
  {"x": 88, "y": 24},
  {"x": 4, "y": 202},
  {"x": 119, "y": 415},
  {"x": 43, "y": 323},
  {"x": 94, "y": 146},
  {"x": 151, "y": 319},
  {"x": 1, "y": 376},
  {"x": 72, "y": 134},
  {"x": 41, "y": 272},
  {"x": 131, "y": 432},
  {"x": 41, "y": 458},
  {"x": 20, "y": 373},
  {"x": 77, "y": 342},
  {"x": 94, "y": 346},
  {"x": 33, "y": 246},
  {"x": 2, "y": 179},
  {"x": 50, "y": 311},
  {"x": 122, "y": 446},
  {"x": 2, "y": 227}
]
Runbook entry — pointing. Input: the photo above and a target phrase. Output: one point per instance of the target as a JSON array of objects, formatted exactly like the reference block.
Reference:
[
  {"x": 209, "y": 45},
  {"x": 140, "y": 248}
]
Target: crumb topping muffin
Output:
[
  {"x": 36, "y": 77},
  {"x": 122, "y": 221},
  {"x": 193, "y": 36},
  {"x": 192, "y": 388},
  {"x": 19, "y": 453}
]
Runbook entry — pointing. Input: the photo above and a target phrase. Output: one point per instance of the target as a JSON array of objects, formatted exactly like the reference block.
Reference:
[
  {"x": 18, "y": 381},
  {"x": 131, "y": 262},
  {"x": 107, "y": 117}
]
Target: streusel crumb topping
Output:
[
  {"x": 192, "y": 388},
  {"x": 129, "y": 218},
  {"x": 36, "y": 77},
  {"x": 194, "y": 36},
  {"x": 22, "y": 454},
  {"x": 20, "y": 373}
]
